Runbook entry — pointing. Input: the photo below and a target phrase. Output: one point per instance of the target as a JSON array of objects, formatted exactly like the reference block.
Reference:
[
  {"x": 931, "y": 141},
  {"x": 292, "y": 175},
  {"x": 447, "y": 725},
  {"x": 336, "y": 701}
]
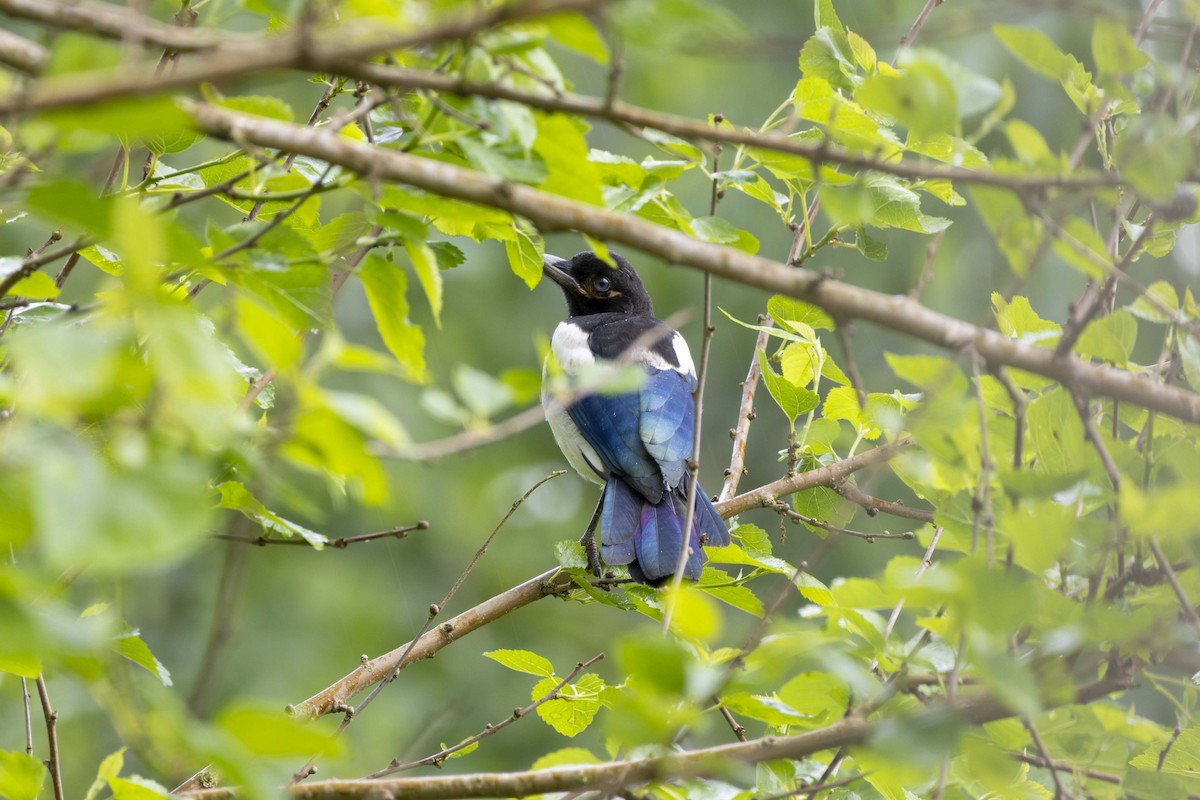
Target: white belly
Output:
[{"x": 569, "y": 346}]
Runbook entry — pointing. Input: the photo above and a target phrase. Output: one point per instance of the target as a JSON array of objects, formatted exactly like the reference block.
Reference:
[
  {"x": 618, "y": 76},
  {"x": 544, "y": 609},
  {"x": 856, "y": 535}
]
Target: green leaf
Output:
[
  {"x": 576, "y": 705},
  {"x": 920, "y": 97},
  {"x": 259, "y": 106},
  {"x": 1082, "y": 248},
  {"x": 110, "y": 768},
  {"x": 137, "y": 788},
  {"x": 576, "y": 32},
  {"x": 720, "y": 231},
  {"x": 525, "y": 251},
  {"x": 237, "y": 497},
  {"x": 1113, "y": 48},
  {"x": 37, "y": 286},
  {"x": 385, "y": 285},
  {"x": 131, "y": 646},
  {"x": 827, "y": 54},
  {"x": 21, "y": 776},
  {"x": 1155, "y": 154},
  {"x": 1110, "y": 338},
  {"x": 933, "y": 374},
  {"x": 1018, "y": 320},
  {"x": 788, "y": 311},
  {"x": 794, "y": 400},
  {"x": 565, "y": 757},
  {"x": 430, "y": 276},
  {"x": 268, "y": 732},
  {"x": 523, "y": 661},
  {"x": 1159, "y": 304},
  {"x": 130, "y": 118}
]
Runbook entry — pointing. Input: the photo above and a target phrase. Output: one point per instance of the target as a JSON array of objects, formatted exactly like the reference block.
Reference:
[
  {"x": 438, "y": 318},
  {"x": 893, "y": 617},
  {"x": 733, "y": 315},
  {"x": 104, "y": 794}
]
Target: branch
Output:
[
  {"x": 739, "y": 433},
  {"x": 624, "y": 114},
  {"x": 551, "y": 212},
  {"x": 52, "y": 763},
  {"x": 341, "y": 543},
  {"x": 115, "y": 22},
  {"x": 20, "y": 53},
  {"x": 336, "y": 697},
  {"x": 823, "y": 476},
  {"x": 972, "y": 709},
  {"x": 295, "y": 49}
]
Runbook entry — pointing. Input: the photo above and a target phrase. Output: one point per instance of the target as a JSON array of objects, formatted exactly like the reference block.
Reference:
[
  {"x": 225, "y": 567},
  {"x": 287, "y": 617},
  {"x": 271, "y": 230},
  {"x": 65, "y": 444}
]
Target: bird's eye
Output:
[{"x": 602, "y": 285}]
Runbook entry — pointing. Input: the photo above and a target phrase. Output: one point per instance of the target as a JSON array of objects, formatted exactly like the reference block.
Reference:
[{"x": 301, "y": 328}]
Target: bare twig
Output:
[
  {"x": 874, "y": 505},
  {"x": 20, "y": 53},
  {"x": 783, "y": 509},
  {"x": 1162, "y": 756},
  {"x": 1066, "y": 766},
  {"x": 340, "y": 543},
  {"x": 1060, "y": 792},
  {"x": 822, "y": 476},
  {"x": 232, "y": 570},
  {"x": 28, "y": 716},
  {"x": 689, "y": 516},
  {"x": 1189, "y": 610},
  {"x": 51, "y": 716},
  {"x": 739, "y": 433},
  {"x": 981, "y": 503},
  {"x": 911, "y": 36},
  {"x": 519, "y": 713}
]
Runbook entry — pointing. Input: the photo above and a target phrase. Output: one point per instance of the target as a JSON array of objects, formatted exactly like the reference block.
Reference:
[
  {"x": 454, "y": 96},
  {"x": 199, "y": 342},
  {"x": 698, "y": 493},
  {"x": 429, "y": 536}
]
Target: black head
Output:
[{"x": 593, "y": 287}]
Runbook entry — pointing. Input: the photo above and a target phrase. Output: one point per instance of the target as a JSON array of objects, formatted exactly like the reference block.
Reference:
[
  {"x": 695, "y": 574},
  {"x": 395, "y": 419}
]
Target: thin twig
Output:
[
  {"x": 689, "y": 516},
  {"x": 1020, "y": 402},
  {"x": 232, "y": 570},
  {"x": 874, "y": 505},
  {"x": 740, "y": 432},
  {"x": 340, "y": 543},
  {"x": 911, "y": 36},
  {"x": 1060, "y": 792},
  {"x": 519, "y": 713},
  {"x": 828, "y": 475},
  {"x": 1162, "y": 756},
  {"x": 51, "y": 716},
  {"x": 981, "y": 503},
  {"x": 1189, "y": 610},
  {"x": 783, "y": 509},
  {"x": 1066, "y": 766},
  {"x": 28, "y": 716},
  {"x": 398, "y": 662}
]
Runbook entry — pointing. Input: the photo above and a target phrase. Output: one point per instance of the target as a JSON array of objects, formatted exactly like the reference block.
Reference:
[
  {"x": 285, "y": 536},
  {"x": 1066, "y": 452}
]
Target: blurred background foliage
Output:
[{"x": 120, "y": 425}]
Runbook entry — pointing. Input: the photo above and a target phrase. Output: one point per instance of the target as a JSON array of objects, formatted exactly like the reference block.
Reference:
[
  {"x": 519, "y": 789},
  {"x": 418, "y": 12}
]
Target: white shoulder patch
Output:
[
  {"x": 570, "y": 346},
  {"x": 683, "y": 355}
]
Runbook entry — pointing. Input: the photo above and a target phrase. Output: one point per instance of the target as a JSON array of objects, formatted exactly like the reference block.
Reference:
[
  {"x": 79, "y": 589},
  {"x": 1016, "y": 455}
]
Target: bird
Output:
[{"x": 637, "y": 445}]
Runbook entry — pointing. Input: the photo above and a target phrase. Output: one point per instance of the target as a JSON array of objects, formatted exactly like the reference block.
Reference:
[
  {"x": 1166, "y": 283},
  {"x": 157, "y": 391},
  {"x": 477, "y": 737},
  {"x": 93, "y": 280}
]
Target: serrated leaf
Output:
[
  {"x": 1114, "y": 50},
  {"x": 574, "y": 709},
  {"x": 36, "y": 286},
  {"x": 236, "y": 496},
  {"x": 430, "y": 277},
  {"x": 793, "y": 400},
  {"x": 21, "y": 776},
  {"x": 131, "y": 646},
  {"x": 1159, "y": 304},
  {"x": 787, "y": 310},
  {"x": 525, "y": 251},
  {"x": 385, "y": 285},
  {"x": 523, "y": 661}
]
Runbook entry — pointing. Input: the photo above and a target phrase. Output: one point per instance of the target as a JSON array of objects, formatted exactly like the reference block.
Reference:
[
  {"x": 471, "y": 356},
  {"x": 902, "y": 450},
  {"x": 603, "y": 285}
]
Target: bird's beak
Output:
[{"x": 554, "y": 268}]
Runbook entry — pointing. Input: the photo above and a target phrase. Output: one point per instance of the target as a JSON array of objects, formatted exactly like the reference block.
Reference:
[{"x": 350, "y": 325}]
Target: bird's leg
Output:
[{"x": 588, "y": 540}]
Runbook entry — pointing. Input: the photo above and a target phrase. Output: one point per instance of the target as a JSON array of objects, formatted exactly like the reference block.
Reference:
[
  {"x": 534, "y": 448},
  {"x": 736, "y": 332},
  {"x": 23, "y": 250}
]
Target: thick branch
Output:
[
  {"x": 21, "y": 53},
  {"x": 297, "y": 49},
  {"x": 551, "y": 212},
  {"x": 336, "y": 697},
  {"x": 971, "y": 709}
]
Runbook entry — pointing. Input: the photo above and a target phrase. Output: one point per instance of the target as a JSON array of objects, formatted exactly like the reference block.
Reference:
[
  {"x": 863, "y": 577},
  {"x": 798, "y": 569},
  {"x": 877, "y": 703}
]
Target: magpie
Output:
[{"x": 636, "y": 444}]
